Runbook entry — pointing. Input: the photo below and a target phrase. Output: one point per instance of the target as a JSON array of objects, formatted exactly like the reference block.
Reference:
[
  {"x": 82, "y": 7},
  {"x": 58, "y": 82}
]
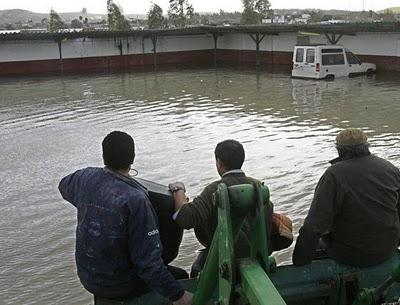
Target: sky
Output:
[{"x": 142, "y": 6}]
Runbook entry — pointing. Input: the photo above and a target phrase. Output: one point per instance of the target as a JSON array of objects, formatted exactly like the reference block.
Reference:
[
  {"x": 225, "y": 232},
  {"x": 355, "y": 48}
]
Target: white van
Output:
[{"x": 327, "y": 62}]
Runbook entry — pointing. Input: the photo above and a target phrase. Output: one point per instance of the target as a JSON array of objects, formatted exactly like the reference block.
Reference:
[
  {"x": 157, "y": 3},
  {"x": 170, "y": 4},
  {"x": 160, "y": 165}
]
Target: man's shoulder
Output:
[
  {"x": 212, "y": 187},
  {"x": 384, "y": 161},
  {"x": 229, "y": 181},
  {"x": 238, "y": 179},
  {"x": 89, "y": 171},
  {"x": 253, "y": 180}
]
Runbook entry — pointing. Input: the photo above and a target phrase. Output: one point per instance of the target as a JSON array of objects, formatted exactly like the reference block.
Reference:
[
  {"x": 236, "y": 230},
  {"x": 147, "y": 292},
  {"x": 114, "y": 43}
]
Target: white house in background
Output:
[{"x": 279, "y": 19}]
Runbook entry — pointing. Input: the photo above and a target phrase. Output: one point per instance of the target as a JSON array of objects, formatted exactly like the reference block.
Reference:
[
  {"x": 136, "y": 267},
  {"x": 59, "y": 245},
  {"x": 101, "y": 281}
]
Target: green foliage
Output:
[
  {"x": 155, "y": 17},
  {"x": 254, "y": 11},
  {"x": 326, "y": 17},
  {"x": 249, "y": 16},
  {"x": 56, "y": 23},
  {"x": 189, "y": 11},
  {"x": 316, "y": 16},
  {"x": 116, "y": 20},
  {"x": 180, "y": 13},
  {"x": 76, "y": 24},
  {"x": 262, "y": 7}
]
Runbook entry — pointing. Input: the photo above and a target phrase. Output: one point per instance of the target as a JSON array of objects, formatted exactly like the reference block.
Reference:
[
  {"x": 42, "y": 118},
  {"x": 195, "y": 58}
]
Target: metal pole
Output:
[
  {"x": 154, "y": 41},
  {"x": 257, "y": 50},
  {"x": 215, "y": 36},
  {"x": 60, "y": 56}
]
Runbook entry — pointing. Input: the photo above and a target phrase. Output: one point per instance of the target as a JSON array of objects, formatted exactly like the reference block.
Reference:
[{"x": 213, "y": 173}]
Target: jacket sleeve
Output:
[
  {"x": 199, "y": 211},
  {"x": 145, "y": 249},
  {"x": 398, "y": 206},
  {"x": 69, "y": 186},
  {"x": 318, "y": 221}
]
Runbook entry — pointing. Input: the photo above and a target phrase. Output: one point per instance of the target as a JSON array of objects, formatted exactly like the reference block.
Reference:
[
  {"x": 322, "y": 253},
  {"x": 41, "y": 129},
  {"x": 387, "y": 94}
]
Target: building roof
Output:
[{"x": 268, "y": 29}]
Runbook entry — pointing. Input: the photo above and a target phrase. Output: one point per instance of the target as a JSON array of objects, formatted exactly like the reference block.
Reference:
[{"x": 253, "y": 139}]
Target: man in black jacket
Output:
[
  {"x": 356, "y": 207},
  {"x": 118, "y": 248}
]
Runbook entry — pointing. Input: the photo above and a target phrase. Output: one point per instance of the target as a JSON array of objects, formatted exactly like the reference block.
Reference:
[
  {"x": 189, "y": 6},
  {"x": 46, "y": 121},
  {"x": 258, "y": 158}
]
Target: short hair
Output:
[
  {"x": 353, "y": 151},
  {"x": 118, "y": 150},
  {"x": 351, "y": 136},
  {"x": 231, "y": 153}
]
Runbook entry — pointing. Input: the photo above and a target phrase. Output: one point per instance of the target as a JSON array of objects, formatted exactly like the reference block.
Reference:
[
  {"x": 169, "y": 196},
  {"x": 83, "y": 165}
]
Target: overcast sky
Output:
[{"x": 142, "y": 6}]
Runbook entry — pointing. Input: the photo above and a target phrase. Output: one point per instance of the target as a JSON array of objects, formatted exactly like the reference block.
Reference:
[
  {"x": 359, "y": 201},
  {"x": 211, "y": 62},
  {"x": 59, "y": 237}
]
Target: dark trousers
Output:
[
  {"x": 140, "y": 288},
  {"x": 321, "y": 252},
  {"x": 199, "y": 263}
]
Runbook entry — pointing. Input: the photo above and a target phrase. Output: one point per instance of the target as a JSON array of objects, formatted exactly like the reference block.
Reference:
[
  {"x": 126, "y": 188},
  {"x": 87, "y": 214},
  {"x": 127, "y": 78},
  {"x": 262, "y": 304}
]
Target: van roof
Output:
[{"x": 319, "y": 45}]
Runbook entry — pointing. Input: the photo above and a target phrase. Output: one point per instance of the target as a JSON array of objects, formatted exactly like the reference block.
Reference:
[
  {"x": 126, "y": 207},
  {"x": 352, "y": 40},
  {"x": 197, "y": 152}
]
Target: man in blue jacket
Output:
[{"x": 118, "y": 248}]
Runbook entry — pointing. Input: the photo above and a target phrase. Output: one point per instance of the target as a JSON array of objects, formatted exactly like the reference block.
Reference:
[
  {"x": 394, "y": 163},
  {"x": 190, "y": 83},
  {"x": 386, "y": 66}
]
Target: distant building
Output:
[
  {"x": 267, "y": 20},
  {"x": 279, "y": 19},
  {"x": 301, "y": 20}
]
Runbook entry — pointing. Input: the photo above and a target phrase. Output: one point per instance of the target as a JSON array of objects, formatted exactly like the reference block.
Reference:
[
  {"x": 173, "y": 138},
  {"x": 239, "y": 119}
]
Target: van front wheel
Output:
[{"x": 370, "y": 72}]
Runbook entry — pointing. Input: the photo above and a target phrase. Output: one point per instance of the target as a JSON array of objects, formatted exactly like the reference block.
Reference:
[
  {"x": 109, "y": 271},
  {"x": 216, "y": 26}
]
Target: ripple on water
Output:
[{"x": 177, "y": 118}]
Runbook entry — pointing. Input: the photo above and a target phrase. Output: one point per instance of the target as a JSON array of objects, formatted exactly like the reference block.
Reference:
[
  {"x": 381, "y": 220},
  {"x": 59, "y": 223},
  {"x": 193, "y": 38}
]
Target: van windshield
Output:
[{"x": 352, "y": 59}]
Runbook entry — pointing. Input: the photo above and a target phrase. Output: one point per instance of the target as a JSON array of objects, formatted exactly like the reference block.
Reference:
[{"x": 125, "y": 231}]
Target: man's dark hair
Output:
[
  {"x": 353, "y": 151},
  {"x": 231, "y": 153},
  {"x": 118, "y": 150}
]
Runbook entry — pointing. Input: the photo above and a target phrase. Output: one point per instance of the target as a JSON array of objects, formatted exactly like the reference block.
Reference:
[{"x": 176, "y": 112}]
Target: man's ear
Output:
[
  {"x": 217, "y": 163},
  {"x": 220, "y": 166}
]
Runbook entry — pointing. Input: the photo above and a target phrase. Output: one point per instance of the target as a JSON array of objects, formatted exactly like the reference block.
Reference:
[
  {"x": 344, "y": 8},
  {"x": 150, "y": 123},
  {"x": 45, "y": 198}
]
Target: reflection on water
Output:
[{"x": 52, "y": 126}]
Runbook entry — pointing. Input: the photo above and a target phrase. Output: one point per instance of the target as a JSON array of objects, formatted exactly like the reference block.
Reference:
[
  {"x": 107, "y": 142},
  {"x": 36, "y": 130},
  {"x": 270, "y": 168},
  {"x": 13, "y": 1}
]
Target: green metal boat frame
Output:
[{"x": 227, "y": 279}]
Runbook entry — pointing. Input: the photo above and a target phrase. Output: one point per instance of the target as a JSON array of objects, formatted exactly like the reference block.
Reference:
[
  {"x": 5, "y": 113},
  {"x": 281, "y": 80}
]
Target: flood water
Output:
[{"x": 50, "y": 127}]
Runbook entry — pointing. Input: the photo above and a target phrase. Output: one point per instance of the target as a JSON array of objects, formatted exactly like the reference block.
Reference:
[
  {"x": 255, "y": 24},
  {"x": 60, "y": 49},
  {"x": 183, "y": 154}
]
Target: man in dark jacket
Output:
[
  {"x": 202, "y": 215},
  {"x": 356, "y": 207},
  {"x": 118, "y": 248}
]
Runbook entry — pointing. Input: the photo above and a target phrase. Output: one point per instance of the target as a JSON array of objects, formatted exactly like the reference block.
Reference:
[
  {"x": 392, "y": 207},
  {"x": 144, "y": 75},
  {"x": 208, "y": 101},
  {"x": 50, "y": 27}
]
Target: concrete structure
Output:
[{"x": 30, "y": 53}]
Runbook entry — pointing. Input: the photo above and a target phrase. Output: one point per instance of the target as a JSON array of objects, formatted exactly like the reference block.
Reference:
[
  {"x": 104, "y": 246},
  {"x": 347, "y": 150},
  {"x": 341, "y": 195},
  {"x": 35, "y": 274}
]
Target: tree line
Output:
[{"x": 180, "y": 14}]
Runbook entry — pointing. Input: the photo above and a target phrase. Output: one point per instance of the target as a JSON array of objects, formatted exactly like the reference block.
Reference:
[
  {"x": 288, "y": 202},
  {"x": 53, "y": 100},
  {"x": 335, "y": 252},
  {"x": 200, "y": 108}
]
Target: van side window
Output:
[
  {"x": 324, "y": 51},
  {"x": 299, "y": 55},
  {"x": 310, "y": 56},
  {"x": 332, "y": 59}
]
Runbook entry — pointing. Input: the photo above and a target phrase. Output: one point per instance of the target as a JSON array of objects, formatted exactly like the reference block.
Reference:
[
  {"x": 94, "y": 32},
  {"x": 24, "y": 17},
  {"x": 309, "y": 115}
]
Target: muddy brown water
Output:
[{"x": 50, "y": 127}]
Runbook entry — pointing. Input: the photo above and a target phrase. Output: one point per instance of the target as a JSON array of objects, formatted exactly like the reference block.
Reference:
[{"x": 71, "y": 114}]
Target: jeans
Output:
[{"x": 141, "y": 288}]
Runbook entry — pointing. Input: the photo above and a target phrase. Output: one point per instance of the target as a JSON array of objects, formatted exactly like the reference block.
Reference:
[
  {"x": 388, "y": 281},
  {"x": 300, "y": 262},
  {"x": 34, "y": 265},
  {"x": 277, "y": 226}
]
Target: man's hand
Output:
[
  {"x": 186, "y": 299},
  {"x": 178, "y": 190},
  {"x": 176, "y": 186}
]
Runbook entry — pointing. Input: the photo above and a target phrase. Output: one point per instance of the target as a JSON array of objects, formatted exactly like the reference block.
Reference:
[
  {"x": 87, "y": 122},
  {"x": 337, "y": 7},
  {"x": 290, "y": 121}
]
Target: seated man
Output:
[
  {"x": 355, "y": 207},
  {"x": 118, "y": 248},
  {"x": 201, "y": 213}
]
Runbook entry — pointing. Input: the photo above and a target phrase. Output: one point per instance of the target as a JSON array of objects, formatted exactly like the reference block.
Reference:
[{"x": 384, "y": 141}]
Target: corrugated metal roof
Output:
[{"x": 269, "y": 29}]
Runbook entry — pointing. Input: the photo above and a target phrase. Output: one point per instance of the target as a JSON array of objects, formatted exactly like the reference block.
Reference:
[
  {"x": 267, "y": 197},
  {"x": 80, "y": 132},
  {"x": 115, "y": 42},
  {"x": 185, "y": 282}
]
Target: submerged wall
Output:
[{"x": 21, "y": 57}]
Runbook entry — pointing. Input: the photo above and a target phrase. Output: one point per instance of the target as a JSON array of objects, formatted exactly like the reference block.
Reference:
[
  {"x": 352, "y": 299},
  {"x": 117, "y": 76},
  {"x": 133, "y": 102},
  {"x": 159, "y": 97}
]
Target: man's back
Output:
[
  {"x": 116, "y": 236},
  {"x": 356, "y": 211},
  {"x": 367, "y": 210},
  {"x": 201, "y": 214}
]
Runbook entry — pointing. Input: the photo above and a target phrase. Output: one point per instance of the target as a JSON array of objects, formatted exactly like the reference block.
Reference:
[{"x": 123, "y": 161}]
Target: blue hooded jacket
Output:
[{"x": 117, "y": 238}]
